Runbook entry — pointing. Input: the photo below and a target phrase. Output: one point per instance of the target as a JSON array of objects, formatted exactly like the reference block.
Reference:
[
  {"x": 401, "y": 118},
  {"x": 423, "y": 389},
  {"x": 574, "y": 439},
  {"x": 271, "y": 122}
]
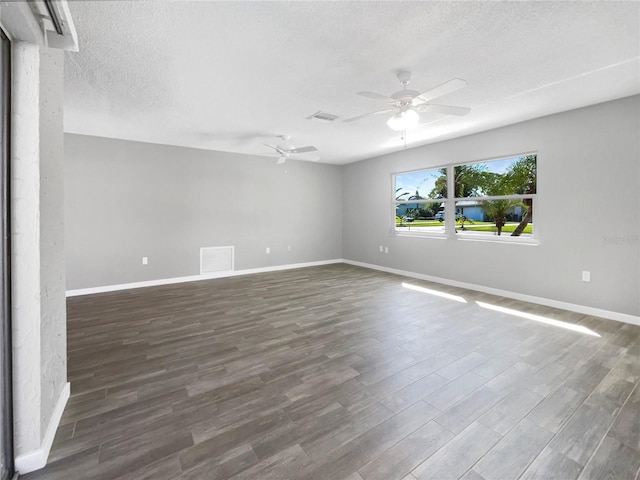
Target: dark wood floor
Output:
[{"x": 340, "y": 372}]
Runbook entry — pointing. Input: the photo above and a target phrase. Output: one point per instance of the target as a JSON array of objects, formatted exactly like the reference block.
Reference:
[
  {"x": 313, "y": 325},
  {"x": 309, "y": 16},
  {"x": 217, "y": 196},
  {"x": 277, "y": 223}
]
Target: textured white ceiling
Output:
[{"x": 232, "y": 75}]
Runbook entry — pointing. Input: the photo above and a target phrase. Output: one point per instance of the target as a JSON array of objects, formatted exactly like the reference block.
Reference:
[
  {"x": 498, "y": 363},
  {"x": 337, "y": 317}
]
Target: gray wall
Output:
[
  {"x": 126, "y": 200},
  {"x": 53, "y": 312},
  {"x": 588, "y": 211}
]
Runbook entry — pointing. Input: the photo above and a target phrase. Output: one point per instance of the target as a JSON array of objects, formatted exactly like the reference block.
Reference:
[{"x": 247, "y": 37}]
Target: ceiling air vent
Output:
[
  {"x": 216, "y": 260},
  {"x": 324, "y": 116}
]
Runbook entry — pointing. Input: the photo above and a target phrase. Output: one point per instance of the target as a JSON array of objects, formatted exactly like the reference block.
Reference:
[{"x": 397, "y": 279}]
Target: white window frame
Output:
[
  {"x": 394, "y": 203},
  {"x": 450, "y": 231}
]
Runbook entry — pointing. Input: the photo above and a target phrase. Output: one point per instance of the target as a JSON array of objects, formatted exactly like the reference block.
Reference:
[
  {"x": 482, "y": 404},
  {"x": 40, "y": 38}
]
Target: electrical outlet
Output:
[
  {"x": 586, "y": 276},
  {"x": 381, "y": 249},
  {"x": 268, "y": 250},
  {"x": 145, "y": 260},
  {"x": 386, "y": 249}
]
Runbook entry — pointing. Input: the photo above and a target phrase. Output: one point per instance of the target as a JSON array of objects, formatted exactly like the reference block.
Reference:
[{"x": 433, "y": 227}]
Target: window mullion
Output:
[{"x": 450, "y": 204}]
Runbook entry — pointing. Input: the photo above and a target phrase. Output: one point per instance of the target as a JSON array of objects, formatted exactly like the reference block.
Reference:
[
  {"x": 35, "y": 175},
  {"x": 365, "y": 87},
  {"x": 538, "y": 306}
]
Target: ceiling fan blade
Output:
[
  {"x": 304, "y": 159},
  {"x": 446, "y": 109},
  {"x": 443, "y": 89},
  {"x": 376, "y": 96},
  {"x": 364, "y": 115},
  {"x": 303, "y": 149},
  {"x": 281, "y": 160},
  {"x": 280, "y": 151}
]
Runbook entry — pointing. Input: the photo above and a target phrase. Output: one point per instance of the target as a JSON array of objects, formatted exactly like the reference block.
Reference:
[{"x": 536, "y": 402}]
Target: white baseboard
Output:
[
  {"x": 37, "y": 459},
  {"x": 195, "y": 278},
  {"x": 572, "y": 307}
]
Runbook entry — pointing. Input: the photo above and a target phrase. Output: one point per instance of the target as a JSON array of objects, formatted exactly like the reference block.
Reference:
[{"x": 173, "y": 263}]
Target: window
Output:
[
  {"x": 419, "y": 206},
  {"x": 494, "y": 198}
]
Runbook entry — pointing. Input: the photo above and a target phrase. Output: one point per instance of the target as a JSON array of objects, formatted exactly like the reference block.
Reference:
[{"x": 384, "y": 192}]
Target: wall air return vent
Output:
[{"x": 216, "y": 260}]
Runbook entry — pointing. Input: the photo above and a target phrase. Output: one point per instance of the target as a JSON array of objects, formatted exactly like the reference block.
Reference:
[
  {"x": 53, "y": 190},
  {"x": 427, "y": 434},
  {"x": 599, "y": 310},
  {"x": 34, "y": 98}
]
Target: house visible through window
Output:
[
  {"x": 419, "y": 203},
  {"x": 489, "y": 198}
]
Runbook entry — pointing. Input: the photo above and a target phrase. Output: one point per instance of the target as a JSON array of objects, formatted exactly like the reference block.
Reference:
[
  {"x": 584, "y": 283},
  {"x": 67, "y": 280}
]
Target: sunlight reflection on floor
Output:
[
  {"x": 509, "y": 311},
  {"x": 434, "y": 292},
  {"x": 538, "y": 318}
]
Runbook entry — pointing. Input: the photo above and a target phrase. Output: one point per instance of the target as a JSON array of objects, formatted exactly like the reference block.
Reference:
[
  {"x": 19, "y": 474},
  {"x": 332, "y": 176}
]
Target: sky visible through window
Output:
[
  {"x": 498, "y": 166},
  {"x": 424, "y": 181}
]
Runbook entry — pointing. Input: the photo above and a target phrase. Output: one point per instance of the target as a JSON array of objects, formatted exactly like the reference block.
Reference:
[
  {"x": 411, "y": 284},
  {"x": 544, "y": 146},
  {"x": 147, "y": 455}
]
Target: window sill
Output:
[
  {"x": 469, "y": 237},
  {"x": 497, "y": 239},
  {"x": 436, "y": 235}
]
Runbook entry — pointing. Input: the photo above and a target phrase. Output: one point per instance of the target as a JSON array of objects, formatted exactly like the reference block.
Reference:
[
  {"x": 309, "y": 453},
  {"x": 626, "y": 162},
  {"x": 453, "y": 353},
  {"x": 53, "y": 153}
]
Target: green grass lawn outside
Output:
[
  {"x": 470, "y": 227},
  {"x": 420, "y": 223},
  {"x": 509, "y": 228}
]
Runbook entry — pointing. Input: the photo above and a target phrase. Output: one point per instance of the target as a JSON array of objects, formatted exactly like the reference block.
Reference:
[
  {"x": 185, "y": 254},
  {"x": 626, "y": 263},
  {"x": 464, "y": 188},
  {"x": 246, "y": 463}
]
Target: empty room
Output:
[{"x": 320, "y": 240}]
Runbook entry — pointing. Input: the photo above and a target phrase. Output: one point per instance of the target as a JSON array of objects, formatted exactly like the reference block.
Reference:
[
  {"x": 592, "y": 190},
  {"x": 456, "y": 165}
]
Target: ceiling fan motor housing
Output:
[
  {"x": 405, "y": 95},
  {"x": 285, "y": 147}
]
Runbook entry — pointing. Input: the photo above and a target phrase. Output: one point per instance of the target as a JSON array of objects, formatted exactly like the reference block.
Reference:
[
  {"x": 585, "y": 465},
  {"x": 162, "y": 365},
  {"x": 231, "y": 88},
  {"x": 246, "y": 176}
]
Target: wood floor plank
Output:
[
  {"x": 626, "y": 428},
  {"x": 546, "y": 380},
  {"x": 454, "y": 391},
  {"x": 306, "y": 429},
  {"x": 167, "y": 438},
  {"x": 222, "y": 466},
  {"x": 459, "y": 455},
  {"x": 220, "y": 443},
  {"x": 513, "y": 453},
  {"x": 581, "y": 435},
  {"x": 396, "y": 428},
  {"x": 339, "y": 372},
  {"x": 556, "y": 409},
  {"x": 615, "y": 387},
  {"x": 338, "y": 464},
  {"x": 466, "y": 411},
  {"x": 287, "y": 463},
  {"x": 141, "y": 458},
  {"x": 472, "y": 475},
  {"x": 167, "y": 468},
  {"x": 413, "y": 393},
  {"x": 496, "y": 365},
  {"x": 432, "y": 363},
  {"x": 612, "y": 460},
  {"x": 319, "y": 447},
  {"x": 507, "y": 413},
  {"x": 551, "y": 465},
  {"x": 587, "y": 377},
  {"x": 354, "y": 476},
  {"x": 374, "y": 393},
  {"x": 462, "y": 366},
  {"x": 512, "y": 376},
  {"x": 400, "y": 459}
]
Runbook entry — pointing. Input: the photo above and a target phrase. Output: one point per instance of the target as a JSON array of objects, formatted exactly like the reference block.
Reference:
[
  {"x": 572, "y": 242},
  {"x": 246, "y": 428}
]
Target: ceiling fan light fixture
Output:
[{"x": 404, "y": 120}]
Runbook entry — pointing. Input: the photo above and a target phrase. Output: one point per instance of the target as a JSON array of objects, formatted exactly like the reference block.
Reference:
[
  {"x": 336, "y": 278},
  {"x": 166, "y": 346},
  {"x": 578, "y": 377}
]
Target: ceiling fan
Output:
[
  {"x": 286, "y": 150},
  {"x": 406, "y": 105}
]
